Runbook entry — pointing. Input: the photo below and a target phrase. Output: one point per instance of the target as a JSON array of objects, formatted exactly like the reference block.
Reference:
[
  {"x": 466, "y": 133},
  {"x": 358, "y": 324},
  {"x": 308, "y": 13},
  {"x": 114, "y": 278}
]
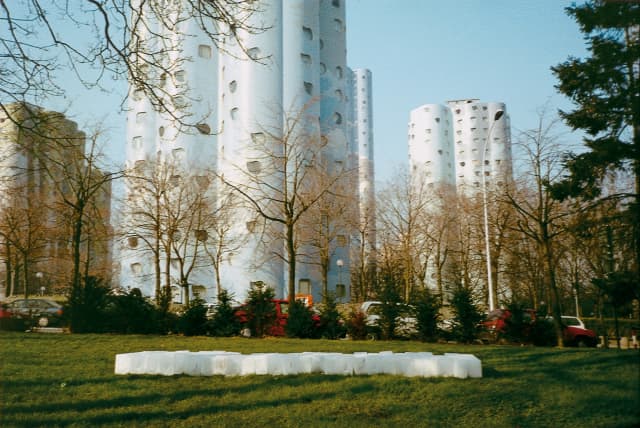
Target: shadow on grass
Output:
[{"x": 131, "y": 407}]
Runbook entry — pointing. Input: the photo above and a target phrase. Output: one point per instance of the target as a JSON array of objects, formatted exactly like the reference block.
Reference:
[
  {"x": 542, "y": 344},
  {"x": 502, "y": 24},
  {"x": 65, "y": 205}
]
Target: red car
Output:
[
  {"x": 277, "y": 327},
  {"x": 574, "y": 331}
]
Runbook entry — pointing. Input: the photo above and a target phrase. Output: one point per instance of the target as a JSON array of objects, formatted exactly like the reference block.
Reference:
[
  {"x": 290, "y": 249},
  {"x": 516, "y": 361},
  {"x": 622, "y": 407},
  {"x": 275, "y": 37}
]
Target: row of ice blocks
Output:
[{"x": 209, "y": 363}]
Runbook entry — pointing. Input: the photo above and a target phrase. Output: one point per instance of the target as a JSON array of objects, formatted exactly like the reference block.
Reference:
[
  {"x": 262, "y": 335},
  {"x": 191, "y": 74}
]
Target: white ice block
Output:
[{"x": 208, "y": 363}]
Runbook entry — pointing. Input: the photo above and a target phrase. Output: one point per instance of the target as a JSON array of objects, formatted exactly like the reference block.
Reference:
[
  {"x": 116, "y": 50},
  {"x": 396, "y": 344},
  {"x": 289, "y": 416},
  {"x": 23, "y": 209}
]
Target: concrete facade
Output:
[{"x": 243, "y": 108}]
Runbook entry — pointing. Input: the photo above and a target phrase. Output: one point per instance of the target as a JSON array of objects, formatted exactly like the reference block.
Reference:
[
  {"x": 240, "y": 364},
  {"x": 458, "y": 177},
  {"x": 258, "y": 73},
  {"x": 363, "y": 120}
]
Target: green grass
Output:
[{"x": 67, "y": 380}]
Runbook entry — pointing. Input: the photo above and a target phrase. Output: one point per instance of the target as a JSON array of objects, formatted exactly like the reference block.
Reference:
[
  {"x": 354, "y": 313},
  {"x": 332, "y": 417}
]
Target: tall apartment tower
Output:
[
  {"x": 361, "y": 138},
  {"x": 451, "y": 148},
  {"x": 42, "y": 160},
  {"x": 446, "y": 144},
  {"x": 297, "y": 70}
]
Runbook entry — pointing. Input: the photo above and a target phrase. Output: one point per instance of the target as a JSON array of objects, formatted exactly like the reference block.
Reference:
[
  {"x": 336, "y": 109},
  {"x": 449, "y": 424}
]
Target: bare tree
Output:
[
  {"x": 281, "y": 183},
  {"x": 404, "y": 205},
  {"x": 139, "y": 40},
  {"x": 217, "y": 237},
  {"x": 541, "y": 218}
]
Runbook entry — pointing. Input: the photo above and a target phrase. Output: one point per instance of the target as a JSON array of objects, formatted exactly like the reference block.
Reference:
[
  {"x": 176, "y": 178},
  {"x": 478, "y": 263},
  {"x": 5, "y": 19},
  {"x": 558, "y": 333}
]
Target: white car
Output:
[
  {"x": 406, "y": 323},
  {"x": 573, "y": 321}
]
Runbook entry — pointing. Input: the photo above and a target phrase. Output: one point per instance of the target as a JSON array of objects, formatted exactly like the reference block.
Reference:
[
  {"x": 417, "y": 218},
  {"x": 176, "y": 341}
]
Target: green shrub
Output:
[
  {"x": 542, "y": 331},
  {"x": 130, "y": 313},
  {"x": 466, "y": 316},
  {"x": 517, "y": 327},
  {"x": 427, "y": 310},
  {"x": 260, "y": 309},
  {"x": 165, "y": 320},
  {"x": 331, "y": 323},
  {"x": 390, "y": 310},
  {"x": 224, "y": 322},
  {"x": 300, "y": 321},
  {"x": 193, "y": 320},
  {"x": 87, "y": 305}
]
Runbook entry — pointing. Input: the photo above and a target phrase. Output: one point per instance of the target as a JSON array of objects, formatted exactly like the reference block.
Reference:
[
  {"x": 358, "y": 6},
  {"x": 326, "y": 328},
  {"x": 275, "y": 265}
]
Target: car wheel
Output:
[
  {"x": 582, "y": 343},
  {"x": 43, "y": 322},
  {"x": 372, "y": 336}
]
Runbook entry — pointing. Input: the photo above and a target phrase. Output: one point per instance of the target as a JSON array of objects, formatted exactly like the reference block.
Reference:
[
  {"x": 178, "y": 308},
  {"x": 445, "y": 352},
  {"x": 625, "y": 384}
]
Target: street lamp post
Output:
[
  {"x": 496, "y": 117},
  {"x": 339, "y": 263}
]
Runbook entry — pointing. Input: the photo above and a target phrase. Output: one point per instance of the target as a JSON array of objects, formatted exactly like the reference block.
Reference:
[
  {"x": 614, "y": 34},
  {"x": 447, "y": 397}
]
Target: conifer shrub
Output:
[
  {"x": 260, "y": 309},
  {"x": 466, "y": 317},
  {"x": 427, "y": 310},
  {"x": 192, "y": 321},
  {"x": 224, "y": 322},
  {"x": 300, "y": 321},
  {"x": 332, "y": 325}
]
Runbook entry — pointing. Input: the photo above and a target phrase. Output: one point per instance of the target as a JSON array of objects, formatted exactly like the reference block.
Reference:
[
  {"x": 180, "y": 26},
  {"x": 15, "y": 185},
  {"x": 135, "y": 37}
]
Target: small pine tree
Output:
[
  {"x": 427, "y": 315},
  {"x": 224, "y": 322},
  {"x": 466, "y": 315},
  {"x": 390, "y": 310},
  {"x": 261, "y": 311},
  {"x": 300, "y": 321},
  {"x": 193, "y": 320},
  {"x": 331, "y": 324}
]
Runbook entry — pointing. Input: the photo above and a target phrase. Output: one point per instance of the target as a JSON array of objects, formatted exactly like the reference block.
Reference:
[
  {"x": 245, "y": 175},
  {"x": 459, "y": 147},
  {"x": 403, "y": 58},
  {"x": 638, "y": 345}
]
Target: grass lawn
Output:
[{"x": 67, "y": 380}]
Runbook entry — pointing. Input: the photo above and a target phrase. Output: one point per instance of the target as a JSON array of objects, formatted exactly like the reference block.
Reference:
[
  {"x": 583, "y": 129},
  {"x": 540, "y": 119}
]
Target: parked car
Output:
[
  {"x": 406, "y": 322},
  {"x": 574, "y": 331},
  {"x": 576, "y": 334},
  {"x": 277, "y": 327},
  {"x": 40, "y": 312}
]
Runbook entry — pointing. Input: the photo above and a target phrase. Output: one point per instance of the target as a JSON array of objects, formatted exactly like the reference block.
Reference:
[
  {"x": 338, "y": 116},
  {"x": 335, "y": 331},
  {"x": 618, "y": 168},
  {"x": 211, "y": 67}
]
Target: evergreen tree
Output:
[{"x": 605, "y": 89}]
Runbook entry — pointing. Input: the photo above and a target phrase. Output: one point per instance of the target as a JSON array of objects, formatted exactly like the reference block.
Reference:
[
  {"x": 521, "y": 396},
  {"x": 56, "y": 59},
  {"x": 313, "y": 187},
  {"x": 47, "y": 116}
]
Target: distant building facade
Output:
[
  {"x": 299, "y": 71},
  {"x": 42, "y": 157},
  {"x": 455, "y": 150}
]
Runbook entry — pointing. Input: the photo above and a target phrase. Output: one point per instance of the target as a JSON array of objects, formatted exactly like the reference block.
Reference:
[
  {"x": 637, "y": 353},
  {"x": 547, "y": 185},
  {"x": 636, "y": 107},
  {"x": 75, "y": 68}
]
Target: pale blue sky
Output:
[
  {"x": 426, "y": 51},
  {"x": 431, "y": 51}
]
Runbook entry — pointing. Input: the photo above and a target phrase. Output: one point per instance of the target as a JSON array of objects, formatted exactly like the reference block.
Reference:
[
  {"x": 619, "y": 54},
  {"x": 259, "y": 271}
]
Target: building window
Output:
[
  {"x": 180, "y": 76},
  {"x": 339, "y": 72},
  {"x": 202, "y": 181},
  {"x": 339, "y": 94},
  {"x": 254, "y": 167},
  {"x": 341, "y": 241},
  {"x": 133, "y": 241},
  {"x": 233, "y": 85},
  {"x": 204, "y": 51},
  {"x": 258, "y": 138},
  {"x": 234, "y": 113},
  {"x": 136, "y": 268},
  {"x": 308, "y": 33},
  {"x": 338, "y": 25},
  {"x": 305, "y": 58},
  {"x": 335, "y": 3},
  {"x": 161, "y": 131},
  {"x": 337, "y": 118},
  {"x": 140, "y": 116},
  {"x": 136, "y": 142},
  {"x": 304, "y": 286},
  {"x": 254, "y": 53},
  {"x": 323, "y": 68},
  {"x": 308, "y": 88},
  {"x": 201, "y": 235},
  {"x": 203, "y": 128}
]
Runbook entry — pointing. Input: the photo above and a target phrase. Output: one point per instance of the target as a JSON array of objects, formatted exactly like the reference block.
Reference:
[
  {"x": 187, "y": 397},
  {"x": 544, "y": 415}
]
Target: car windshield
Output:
[{"x": 570, "y": 321}]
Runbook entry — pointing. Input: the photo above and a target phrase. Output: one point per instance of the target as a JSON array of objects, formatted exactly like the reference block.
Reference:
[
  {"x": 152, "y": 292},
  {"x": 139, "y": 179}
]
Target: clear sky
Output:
[
  {"x": 422, "y": 52},
  {"x": 430, "y": 51}
]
